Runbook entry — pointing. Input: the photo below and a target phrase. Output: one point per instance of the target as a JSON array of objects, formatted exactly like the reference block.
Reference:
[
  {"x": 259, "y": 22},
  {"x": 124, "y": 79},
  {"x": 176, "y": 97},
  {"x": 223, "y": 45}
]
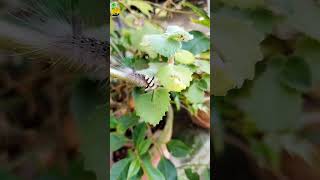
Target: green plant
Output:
[{"x": 177, "y": 60}]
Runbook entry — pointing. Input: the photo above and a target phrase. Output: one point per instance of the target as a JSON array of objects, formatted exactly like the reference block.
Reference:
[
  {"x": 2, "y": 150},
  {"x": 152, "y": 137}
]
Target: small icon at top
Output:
[{"x": 114, "y": 9}]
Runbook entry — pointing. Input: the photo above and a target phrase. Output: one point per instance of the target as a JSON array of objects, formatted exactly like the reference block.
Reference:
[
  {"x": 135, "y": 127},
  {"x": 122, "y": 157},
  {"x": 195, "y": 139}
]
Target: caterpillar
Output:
[
  {"x": 65, "y": 36},
  {"x": 120, "y": 71}
]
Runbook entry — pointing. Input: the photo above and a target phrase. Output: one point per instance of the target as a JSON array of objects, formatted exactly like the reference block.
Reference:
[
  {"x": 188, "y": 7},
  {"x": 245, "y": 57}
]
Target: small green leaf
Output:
[
  {"x": 203, "y": 66},
  {"x": 177, "y": 101},
  {"x": 178, "y": 149},
  {"x": 200, "y": 12},
  {"x": 151, "y": 108},
  {"x": 118, "y": 168},
  {"x": 133, "y": 168},
  {"x": 296, "y": 74},
  {"x": 309, "y": 49},
  {"x": 117, "y": 141},
  {"x": 143, "y": 146},
  {"x": 191, "y": 175},
  {"x": 200, "y": 43},
  {"x": 204, "y": 22},
  {"x": 144, "y": 7},
  {"x": 195, "y": 94},
  {"x": 168, "y": 169},
  {"x": 126, "y": 122},
  {"x": 139, "y": 133},
  {"x": 184, "y": 57},
  {"x": 113, "y": 122}
]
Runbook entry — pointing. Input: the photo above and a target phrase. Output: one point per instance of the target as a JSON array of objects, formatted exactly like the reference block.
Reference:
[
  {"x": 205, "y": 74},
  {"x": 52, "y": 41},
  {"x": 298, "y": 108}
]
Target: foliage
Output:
[
  {"x": 177, "y": 60},
  {"x": 266, "y": 53}
]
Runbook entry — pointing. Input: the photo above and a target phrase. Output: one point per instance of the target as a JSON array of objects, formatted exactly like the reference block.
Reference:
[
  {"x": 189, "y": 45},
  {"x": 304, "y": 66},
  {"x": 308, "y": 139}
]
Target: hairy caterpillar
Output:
[{"x": 61, "y": 33}]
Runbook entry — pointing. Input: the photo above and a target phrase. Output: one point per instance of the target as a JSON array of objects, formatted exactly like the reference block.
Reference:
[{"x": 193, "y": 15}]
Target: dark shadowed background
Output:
[{"x": 51, "y": 106}]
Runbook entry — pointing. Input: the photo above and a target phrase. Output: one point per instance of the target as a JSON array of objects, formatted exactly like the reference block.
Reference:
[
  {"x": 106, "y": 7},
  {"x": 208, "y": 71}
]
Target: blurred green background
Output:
[{"x": 266, "y": 89}]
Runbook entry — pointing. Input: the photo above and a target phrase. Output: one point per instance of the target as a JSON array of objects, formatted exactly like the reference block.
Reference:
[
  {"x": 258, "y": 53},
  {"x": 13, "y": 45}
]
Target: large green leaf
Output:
[
  {"x": 270, "y": 105},
  {"x": 168, "y": 169},
  {"x": 237, "y": 43},
  {"x": 161, "y": 44},
  {"x": 174, "y": 77},
  {"x": 152, "y": 106},
  {"x": 118, "y": 168}
]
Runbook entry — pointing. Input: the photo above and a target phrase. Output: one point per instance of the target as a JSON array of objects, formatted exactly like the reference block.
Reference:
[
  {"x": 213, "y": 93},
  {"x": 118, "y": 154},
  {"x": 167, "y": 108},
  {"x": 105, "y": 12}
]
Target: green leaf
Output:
[
  {"x": 174, "y": 77},
  {"x": 263, "y": 20},
  {"x": 177, "y": 101},
  {"x": 148, "y": 28},
  {"x": 204, "y": 22},
  {"x": 151, "y": 108},
  {"x": 161, "y": 44},
  {"x": 269, "y": 104},
  {"x": 222, "y": 82},
  {"x": 117, "y": 141},
  {"x": 139, "y": 133},
  {"x": 133, "y": 168},
  {"x": 295, "y": 12},
  {"x": 177, "y": 33},
  {"x": 168, "y": 169},
  {"x": 91, "y": 120},
  {"x": 152, "y": 173},
  {"x": 178, "y": 149},
  {"x": 238, "y": 47},
  {"x": 191, "y": 175},
  {"x": 118, "y": 168},
  {"x": 296, "y": 74},
  {"x": 144, "y": 7},
  {"x": 144, "y": 146},
  {"x": 203, "y": 66},
  {"x": 309, "y": 49},
  {"x": 195, "y": 94},
  {"x": 184, "y": 57},
  {"x": 200, "y": 43},
  {"x": 199, "y": 11},
  {"x": 113, "y": 122},
  {"x": 126, "y": 122}
]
